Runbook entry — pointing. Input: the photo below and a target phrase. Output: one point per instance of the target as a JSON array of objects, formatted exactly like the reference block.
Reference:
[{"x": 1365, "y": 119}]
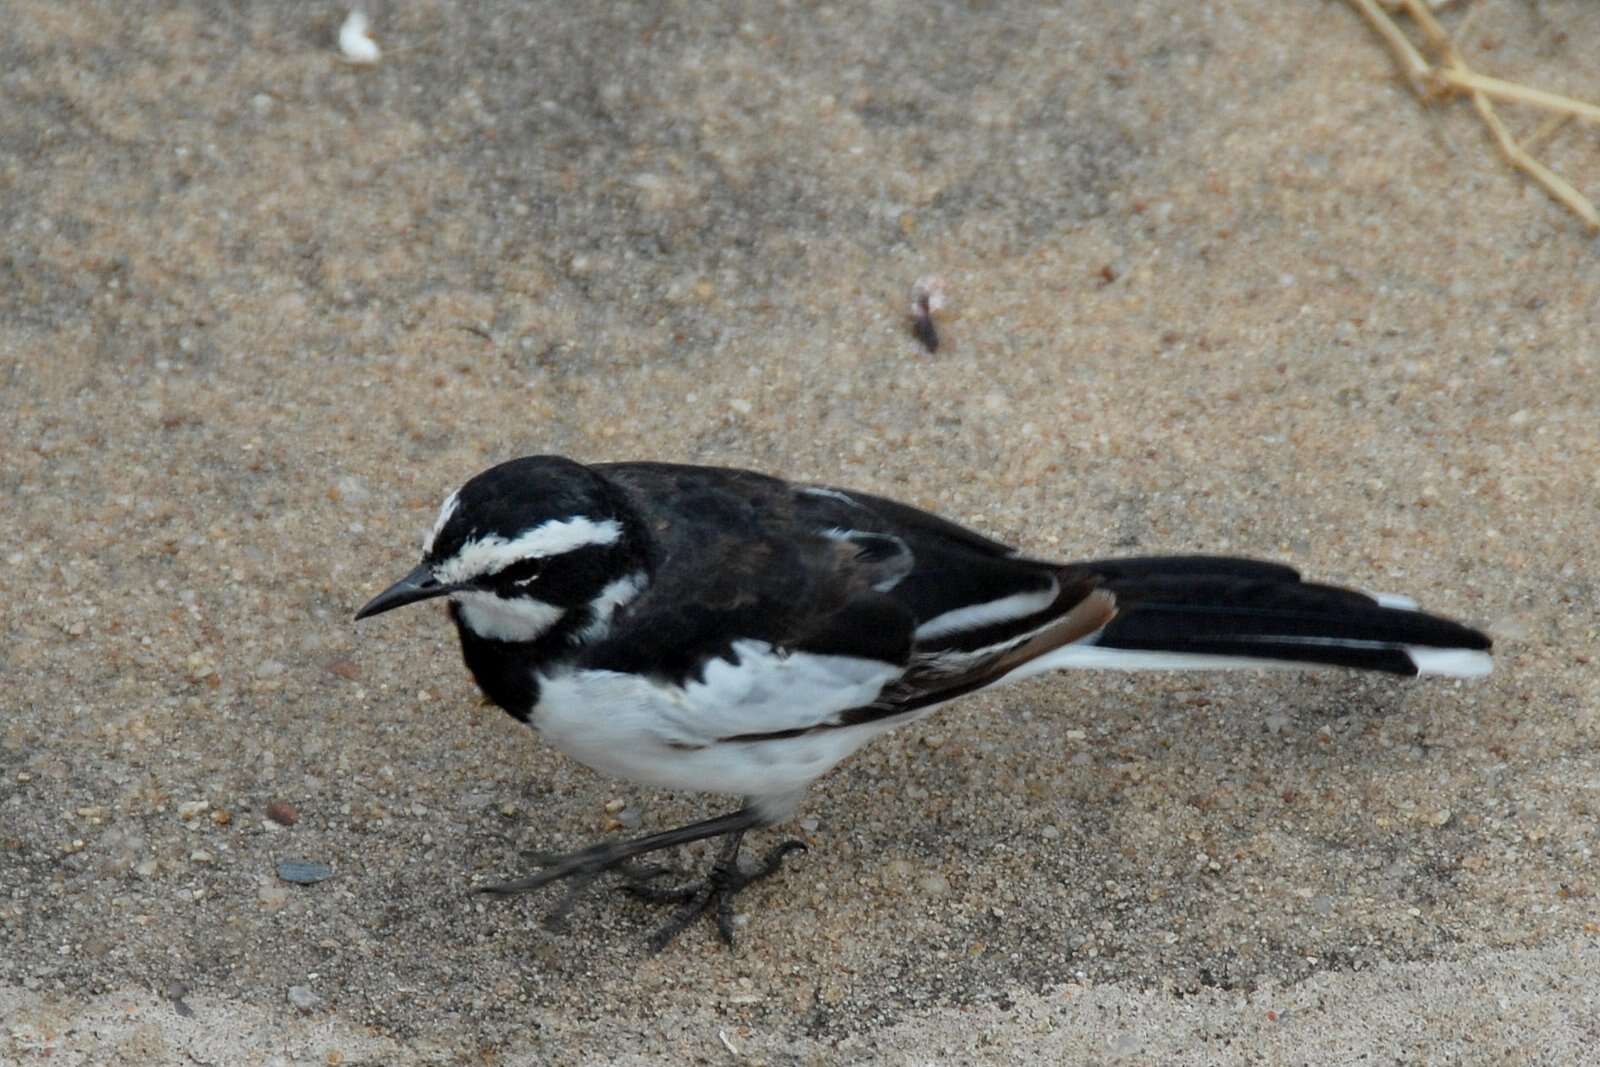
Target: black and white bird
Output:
[{"x": 724, "y": 631}]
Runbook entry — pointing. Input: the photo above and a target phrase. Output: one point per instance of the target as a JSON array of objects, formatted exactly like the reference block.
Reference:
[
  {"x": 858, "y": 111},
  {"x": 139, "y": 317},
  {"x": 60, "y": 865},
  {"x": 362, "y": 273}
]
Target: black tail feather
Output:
[
  {"x": 1240, "y": 608},
  {"x": 1174, "y": 567}
]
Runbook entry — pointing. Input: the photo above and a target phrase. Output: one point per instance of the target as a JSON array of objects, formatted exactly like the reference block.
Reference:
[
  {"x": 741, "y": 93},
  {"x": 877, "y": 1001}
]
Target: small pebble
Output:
[
  {"x": 927, "y": 299},
  {"x": 344, "y": 668},
  {"x": 175, "y": 992},
  {"x": 190, "y": 809},
  {"x": 351, "y": 489},
  {"x": 283, "y": 813},
  {"x": 304, "y": 872},
  {"x": 355, "y": 41},
  {"x": 304, "y": 999}
]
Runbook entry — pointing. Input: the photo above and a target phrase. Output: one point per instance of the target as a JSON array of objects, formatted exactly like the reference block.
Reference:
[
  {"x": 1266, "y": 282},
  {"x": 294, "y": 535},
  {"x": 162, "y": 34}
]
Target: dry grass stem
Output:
[
  {"x": 1546, "y": 130},
  {"x": 1452, "y": 76},
  {"x": 1405, "y": 53},
  {"x": 1557, "y": 186},
  {"x": 1437, "y": 5},
  {"x": 1466, "y": 80}
]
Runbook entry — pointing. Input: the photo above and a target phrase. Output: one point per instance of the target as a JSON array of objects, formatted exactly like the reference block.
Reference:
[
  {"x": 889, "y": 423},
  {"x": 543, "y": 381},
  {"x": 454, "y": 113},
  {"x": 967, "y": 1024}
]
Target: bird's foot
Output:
[
  {"x": 722, "y": 883},
  {"x": 580, "y": 869}
]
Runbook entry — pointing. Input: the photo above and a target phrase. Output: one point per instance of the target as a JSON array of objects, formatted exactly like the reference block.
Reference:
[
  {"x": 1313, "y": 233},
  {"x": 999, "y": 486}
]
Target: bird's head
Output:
[{"x": 523, "y": 547}]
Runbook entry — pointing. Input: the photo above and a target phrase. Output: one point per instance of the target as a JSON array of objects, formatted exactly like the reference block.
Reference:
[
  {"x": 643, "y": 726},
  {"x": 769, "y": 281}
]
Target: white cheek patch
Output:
[
  {"x": 519, "y": 619},
  {"x": 493, "y": 554}
]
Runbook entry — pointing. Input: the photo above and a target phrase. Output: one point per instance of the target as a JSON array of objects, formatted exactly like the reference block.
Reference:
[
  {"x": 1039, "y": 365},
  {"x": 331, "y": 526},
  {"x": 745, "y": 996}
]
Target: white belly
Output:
[{"x": 656, "y": 733}]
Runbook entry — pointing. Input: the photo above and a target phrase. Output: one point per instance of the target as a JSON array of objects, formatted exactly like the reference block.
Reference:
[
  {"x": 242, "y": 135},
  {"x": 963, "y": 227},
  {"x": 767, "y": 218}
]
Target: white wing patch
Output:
[
  {"x": 829, "y": 494},
  {"x": 1015, "y": 606},
  {"x": 492, "y": 554},
  {"x": 769, "y": 690},
  {"x": 650, "y": 731},
  {"x": 603, "y": 608},
  {"x": 891, "y": 568}
]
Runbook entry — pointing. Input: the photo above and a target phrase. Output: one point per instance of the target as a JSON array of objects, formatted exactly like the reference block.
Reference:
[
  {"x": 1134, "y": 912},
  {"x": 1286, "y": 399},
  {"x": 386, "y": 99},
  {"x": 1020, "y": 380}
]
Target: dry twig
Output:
[
  {"x": 1471, "y": 81},
  {"x": 1452, "y": 76},
  {"x": 1554, "y": 184}
]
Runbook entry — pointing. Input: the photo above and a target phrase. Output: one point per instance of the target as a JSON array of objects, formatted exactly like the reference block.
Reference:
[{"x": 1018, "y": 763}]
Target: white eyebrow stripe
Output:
[
  {"x": 492, "y": 554},
  {"x": 451, "y": 505}
]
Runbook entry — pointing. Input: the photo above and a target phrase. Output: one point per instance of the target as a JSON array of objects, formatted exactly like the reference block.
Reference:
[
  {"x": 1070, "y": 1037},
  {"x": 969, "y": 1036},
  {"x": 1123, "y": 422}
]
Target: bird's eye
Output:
[{"x": 522, "y": 572}]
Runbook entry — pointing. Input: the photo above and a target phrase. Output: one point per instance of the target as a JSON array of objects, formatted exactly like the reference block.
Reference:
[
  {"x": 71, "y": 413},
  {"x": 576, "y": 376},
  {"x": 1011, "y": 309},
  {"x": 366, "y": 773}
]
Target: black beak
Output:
[{"x": 420, "y": 584}]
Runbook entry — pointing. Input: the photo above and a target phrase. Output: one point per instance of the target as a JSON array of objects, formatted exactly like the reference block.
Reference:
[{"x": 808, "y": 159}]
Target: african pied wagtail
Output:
[{"x": 724, "y": 631}]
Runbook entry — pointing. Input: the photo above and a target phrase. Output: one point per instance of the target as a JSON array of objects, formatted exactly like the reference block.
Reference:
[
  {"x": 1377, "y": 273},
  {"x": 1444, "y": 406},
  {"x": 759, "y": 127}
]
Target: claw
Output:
[
  {"x": 722, "y": 883},
  {"x": 640, "y": 873},
  {"x": 774, "y": 857}
]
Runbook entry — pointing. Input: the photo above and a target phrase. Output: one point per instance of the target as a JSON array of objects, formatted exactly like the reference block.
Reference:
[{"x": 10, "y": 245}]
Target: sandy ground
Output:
[{"x": 1218, "y": 284}]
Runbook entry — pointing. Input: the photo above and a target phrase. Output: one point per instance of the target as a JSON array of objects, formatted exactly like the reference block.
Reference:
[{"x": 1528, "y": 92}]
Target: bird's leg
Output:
[
  {"x": 721, "y": 884},
  {"x": 724, "y": 881}
]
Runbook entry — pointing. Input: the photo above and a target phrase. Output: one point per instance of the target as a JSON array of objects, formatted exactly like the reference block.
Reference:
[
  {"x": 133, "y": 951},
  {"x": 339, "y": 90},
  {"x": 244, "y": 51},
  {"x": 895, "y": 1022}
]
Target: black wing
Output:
[{"x": 731, "y": 560}]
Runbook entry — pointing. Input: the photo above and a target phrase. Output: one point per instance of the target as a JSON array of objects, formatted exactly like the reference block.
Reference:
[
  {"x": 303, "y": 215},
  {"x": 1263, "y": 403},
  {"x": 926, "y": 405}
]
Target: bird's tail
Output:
[{"x": 1207, "y": 611}]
